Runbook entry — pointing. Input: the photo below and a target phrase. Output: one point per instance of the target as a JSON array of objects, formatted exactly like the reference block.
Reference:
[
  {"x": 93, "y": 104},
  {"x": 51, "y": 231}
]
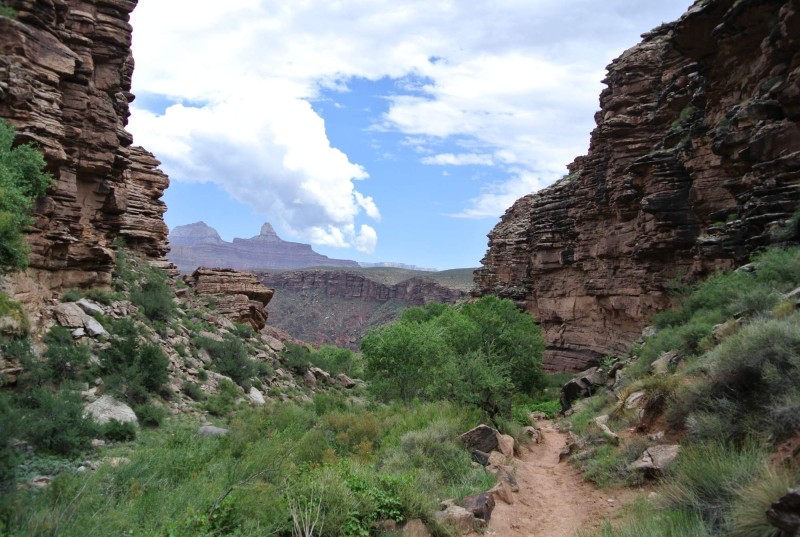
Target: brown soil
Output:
[{"x": 554, "y": 500}]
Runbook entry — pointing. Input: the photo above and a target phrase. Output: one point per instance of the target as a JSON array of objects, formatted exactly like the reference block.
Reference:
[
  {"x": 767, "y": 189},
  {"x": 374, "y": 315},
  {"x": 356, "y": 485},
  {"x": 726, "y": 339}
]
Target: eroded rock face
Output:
[
  {"x": 694, "y": 164},
  {"x": 65, "y": 80},
  {"x": 239, "y": 295}
]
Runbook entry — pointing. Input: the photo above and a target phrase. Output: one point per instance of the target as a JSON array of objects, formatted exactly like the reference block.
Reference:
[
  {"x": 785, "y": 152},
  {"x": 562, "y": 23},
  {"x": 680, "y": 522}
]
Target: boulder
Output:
[
  {"x": 346, "y": 381},
  {"x": 255, "y": 396},
  {"x": 664, "y": 363},
  {"x": 482, "y": 438},
  {"x": 505, "y": 444},
  {"x": 93, "y": 327},
  {"x": 534, "y": 433},
  {"x": 458, "y": 516},
  {"x": 211, "y": 430},
  {"x": 582, "y": 385},
  {"x": 415, "y": 528},
  {"x": 90, "y": 308},
  {"x": 502, "y": 491},
  {"x": 480, "y": 457},
  {"x": 309, "y": 380},
  {"x": 610, "y": 436},
  {"x": 655, "y": 459},
  {"x": 480, "y": 505},
  {"x": 69, "y": 314},
  {"x": 106, "y": 408},
  {"x": 785, "y": 513}
]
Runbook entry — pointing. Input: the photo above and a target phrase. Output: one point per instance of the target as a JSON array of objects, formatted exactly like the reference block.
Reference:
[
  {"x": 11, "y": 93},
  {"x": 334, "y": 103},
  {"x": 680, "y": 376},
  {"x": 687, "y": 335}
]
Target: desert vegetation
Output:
[{"x": 729, "y": 395}]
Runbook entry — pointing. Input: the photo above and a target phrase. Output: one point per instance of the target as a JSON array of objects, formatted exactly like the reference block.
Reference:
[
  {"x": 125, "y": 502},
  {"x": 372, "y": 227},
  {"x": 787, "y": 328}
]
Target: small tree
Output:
[{"x": 22, "y": 182}]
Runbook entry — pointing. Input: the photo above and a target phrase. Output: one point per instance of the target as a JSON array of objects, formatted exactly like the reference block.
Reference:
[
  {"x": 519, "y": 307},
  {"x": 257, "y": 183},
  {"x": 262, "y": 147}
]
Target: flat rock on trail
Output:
[{"x": 554, "y": 500}]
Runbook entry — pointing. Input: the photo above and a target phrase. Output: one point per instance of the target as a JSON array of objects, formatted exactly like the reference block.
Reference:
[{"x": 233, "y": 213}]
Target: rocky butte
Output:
[
  {"x": 693, "y": 166},
  {"x": 65, "y": 80},
  {"x": 198, "y": 244}
]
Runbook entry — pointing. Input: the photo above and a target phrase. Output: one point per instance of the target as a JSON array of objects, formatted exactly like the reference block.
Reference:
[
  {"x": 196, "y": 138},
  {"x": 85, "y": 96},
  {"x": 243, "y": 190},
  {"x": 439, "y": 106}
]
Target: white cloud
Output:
[
  {"x": 517, "y": 78},
  {"x": 461, "y": 159}
]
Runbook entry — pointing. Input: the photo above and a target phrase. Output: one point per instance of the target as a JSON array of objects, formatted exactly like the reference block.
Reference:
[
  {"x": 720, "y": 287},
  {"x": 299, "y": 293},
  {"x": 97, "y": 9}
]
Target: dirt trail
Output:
[{"x": 553, "y": 499}]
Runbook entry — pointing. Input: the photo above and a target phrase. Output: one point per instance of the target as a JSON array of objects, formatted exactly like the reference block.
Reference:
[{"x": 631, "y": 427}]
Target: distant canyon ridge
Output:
[{"x": 199, "y": 245}]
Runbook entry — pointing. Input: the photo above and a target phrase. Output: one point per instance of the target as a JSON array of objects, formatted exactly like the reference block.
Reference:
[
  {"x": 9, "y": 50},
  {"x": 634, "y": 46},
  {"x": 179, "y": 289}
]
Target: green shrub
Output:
[
  {"x": 133, "y": 370},
  {"x": 296, "y": 357},
  {"x": 73, "y": 295},
  {"x": 334, "y": 360},
  {"x": 150, "y": 415},
  {"x": 65, "y": 358},
  {"x": 748, "y": 516},
  {"x": 193, "y": 390},
  {"x": 8, "y": 459},
  {"x": 22, "y": 182},
  {"x": 646, "y": 521},
  {"x": 224, "y": 401},
  {"x": 54, "y": 422},
  {"x": 154, "y": 296},
  {"x": 117, "y": 431},
  {"x": 229, "y": 357}
]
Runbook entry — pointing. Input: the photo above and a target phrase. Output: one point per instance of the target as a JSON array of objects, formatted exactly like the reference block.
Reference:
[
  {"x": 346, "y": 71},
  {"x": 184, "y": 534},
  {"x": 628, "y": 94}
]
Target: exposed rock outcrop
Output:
[
  {"x": 65, "y": 80},
  {"x": 340, "y": 306},
  {"x": 694, "y": 164},
  {"x": 239, "y": 295},
  {"x": 196, "y": 245}
]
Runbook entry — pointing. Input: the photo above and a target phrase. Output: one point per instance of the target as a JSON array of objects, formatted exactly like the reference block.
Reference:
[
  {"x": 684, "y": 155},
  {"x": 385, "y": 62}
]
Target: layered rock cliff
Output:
[
  {"x": 694, "y": 165},
  {"x": 339, "y": 306},
  {"x": 238, "y": 295},
  {"x": 65, "y": 80},
  {"x": 199, "y": 244}
]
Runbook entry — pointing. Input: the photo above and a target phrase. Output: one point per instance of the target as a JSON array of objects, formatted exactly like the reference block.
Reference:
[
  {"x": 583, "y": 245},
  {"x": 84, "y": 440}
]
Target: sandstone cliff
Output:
[
  {"x": 65, "y": 80},
  {"x": 694, "y": 164},
  {"x": 339, "y": 306},
  {"x": 239, "y": 295},
  {"x": 198, "y": 244}
]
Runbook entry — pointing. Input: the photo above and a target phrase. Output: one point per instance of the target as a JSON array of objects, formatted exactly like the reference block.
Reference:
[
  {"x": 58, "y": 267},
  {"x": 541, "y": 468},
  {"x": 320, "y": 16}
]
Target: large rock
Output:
[
  {"x": 458, "y": 517},
  {"x": 655, "y": 459},
  {"x": 106, "y": 408},
  {"x": 65, "y": 81},
  {"x": 582, "y": 385},
  {"x": 211, "y": 430},
  {"x": 784, "y": 514},
  {"x": 694, "y": 164},
  {"x": 482, "y": 438},
  {"x": 240, "y": 296},
  {"x": 480, "y": 505}
]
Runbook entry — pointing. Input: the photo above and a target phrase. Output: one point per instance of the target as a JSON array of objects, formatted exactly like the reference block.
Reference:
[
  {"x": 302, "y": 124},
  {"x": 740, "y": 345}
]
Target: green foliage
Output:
[
  {"x": 335, "y": 360},
  {"x": 54, "y": 422},
  {"x": 296, "y": 357},
  {"x": 8, "y": 459},
  {"x": 13, "y": 311},
  {"x": 154, "y": 296},
  {"x": 6, "y": 11},
  {"x": 478, "y": 355},
  {"x": 223, "y": 402},
  {"x": 229, "y": 357},
  {"x": 132, "y": 369},
  {"x": 193, "y": 390},
  {"x": 73, "y": 295},
  {"x": 65, "y": 358},
  {"x": 150, "y": 415},
  {"x": 22, "y": 182},
  {"x": 647, "y": 521},
  {"x": 550, "y": 407},
  {"x": 117, "y": 431}
]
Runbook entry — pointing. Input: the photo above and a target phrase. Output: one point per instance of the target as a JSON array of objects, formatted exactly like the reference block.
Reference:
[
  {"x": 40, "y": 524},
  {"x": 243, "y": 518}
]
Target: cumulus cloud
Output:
[{"x": 503, "y": 75}]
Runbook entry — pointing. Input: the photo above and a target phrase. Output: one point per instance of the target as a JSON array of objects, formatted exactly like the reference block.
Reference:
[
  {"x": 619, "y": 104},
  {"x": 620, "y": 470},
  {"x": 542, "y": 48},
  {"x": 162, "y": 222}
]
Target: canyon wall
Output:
[
  {"x": 65, "y": 81},
  {"x": 693, "y": 166}
]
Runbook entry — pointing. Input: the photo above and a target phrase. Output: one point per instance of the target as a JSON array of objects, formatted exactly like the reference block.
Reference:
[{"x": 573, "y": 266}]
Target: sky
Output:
[{"x": 376, "y": 130}]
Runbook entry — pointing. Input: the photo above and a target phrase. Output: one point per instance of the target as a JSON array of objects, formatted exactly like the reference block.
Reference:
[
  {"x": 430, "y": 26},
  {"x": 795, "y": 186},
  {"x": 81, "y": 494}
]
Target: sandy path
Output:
[{"x": 553, "y": 499}]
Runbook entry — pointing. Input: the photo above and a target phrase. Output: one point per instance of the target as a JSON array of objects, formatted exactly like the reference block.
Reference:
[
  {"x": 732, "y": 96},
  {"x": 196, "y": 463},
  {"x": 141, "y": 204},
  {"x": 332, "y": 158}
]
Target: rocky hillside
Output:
[
  {"x": 199, "y": 245},
  {"x": 65, "y": 80},
  {"x": 340, "y": 306},
  {"x": 694, "y": 164}
]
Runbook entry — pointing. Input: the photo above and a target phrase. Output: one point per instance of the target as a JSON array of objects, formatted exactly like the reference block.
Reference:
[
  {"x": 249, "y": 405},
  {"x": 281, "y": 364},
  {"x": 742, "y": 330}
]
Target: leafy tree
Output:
[
  {"x": 22, "y": 181},
  {"x": 478, "y": 354}
]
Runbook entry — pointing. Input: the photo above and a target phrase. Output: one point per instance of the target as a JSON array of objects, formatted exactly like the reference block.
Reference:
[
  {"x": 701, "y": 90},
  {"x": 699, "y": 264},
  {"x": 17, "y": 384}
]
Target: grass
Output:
[{"x": 246, "y": 483}]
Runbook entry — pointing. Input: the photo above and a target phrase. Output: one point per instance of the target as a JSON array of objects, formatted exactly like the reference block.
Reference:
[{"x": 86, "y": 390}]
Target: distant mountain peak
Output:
[
  {"x": 267, "y": 233},
  {"x": 197, "y": 233}
]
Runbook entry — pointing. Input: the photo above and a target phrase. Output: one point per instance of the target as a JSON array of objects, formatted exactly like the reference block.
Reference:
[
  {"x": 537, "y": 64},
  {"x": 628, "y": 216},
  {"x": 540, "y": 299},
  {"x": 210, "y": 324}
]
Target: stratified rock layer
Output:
[
  {"x": 340, "y": 306},
  {"x": 65, "y": 80},
  {"x": 239, "y": 295},
  {"x": 199, "y": 244},
  {"x": 694, "y": 165}
]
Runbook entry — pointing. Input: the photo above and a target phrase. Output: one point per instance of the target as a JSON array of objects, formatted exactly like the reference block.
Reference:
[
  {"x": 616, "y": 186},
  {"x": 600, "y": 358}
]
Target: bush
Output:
[
  {"x": 150, "y": 415},
  {"x": 224, "y": 401},
  {"x": 748, "y": 516},
  {"x": 65, "y": 358},
  {"x": 154, "y": 296},
  {"x": 73, "y": 295},
  {"x": 193, "y": 390},
  {"x": 230, "y": 357},
  {"x": 8, "y": 459},
  {"x": 296, "y": 357},
  {"x": 334, "y": 360},
  {"x": 117, "y": 431},
  {"x": 54, "y": 422},
  {"x": 22, "y": 182}
]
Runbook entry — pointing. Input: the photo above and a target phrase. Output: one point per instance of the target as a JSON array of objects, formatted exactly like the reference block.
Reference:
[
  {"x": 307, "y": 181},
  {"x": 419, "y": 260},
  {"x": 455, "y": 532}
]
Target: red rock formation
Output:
[
  {"x": 198, "y": 244},
  {"x": 239, "y": 295},
  {"x": 694, "y": 165},
  {"x": 65, "y": 80}
]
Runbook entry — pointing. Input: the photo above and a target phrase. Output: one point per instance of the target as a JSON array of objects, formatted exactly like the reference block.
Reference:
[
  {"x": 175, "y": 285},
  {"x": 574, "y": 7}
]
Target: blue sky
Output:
[{"x": 376, "y": 130}]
